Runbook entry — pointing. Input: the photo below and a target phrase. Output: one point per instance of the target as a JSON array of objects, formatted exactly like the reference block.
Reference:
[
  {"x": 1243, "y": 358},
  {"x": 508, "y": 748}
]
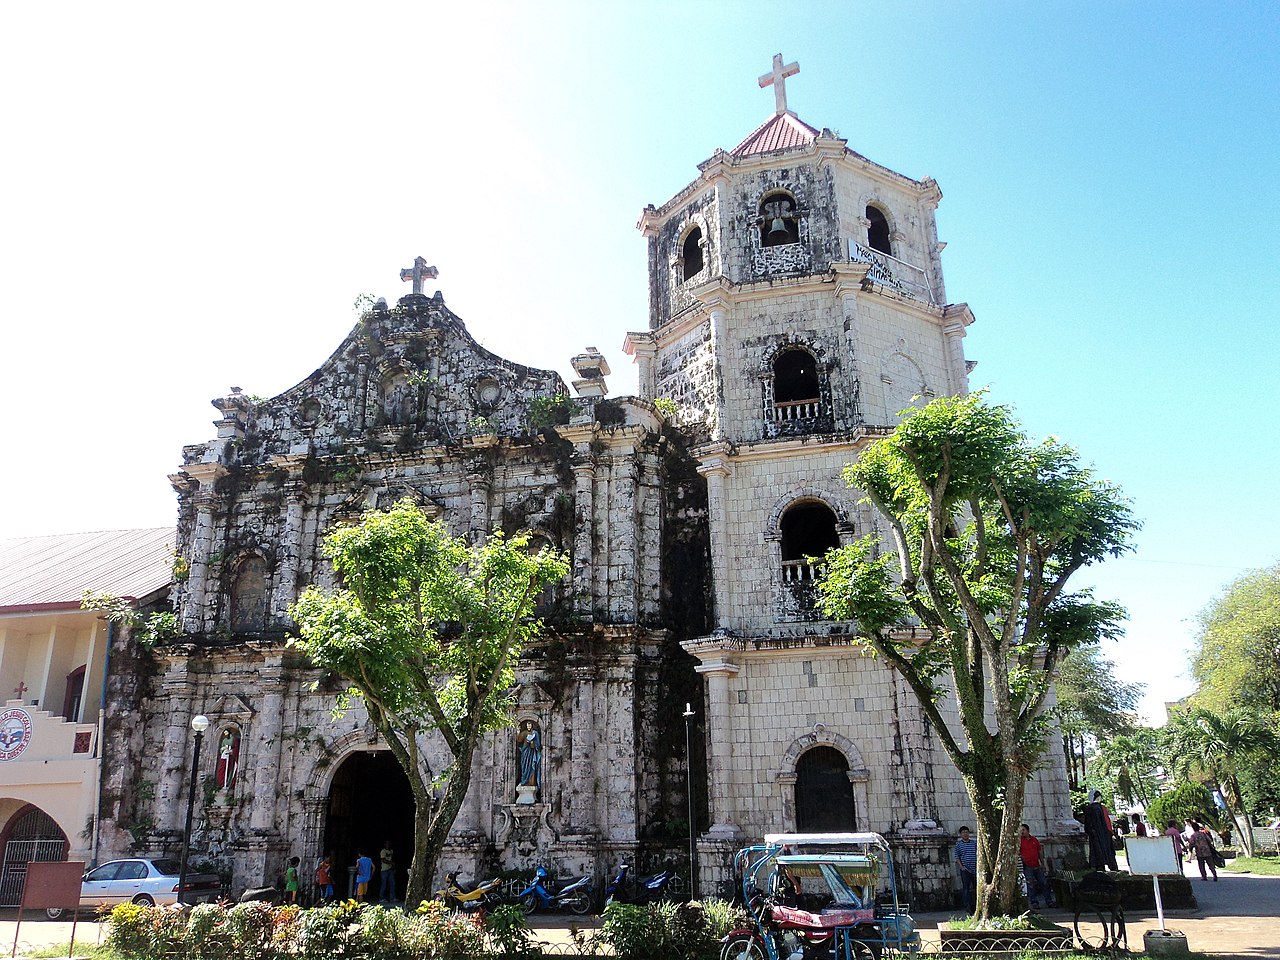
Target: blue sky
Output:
[{"x": 195, "y": 199}]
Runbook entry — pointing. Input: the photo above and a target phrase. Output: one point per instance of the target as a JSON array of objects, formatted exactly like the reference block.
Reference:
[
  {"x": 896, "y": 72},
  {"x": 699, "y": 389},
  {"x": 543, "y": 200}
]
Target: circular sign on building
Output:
[{"x": 15, "y": 733}]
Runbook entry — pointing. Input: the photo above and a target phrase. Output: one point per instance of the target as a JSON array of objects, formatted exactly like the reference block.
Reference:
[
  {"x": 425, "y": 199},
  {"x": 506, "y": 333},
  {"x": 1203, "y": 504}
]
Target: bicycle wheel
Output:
[{"x": 1096, "y": 934}]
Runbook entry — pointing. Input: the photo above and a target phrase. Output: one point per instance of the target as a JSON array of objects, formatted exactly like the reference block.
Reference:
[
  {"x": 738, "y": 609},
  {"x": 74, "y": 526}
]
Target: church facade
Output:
[{"x": 797, "y": 306}]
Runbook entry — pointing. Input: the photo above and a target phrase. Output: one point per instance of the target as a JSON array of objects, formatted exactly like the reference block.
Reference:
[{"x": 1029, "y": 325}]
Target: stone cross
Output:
[
  {"x": 778, "y": 77},
  {"x": 20, "y": 689},
  {"x": 419, "y": 272}
]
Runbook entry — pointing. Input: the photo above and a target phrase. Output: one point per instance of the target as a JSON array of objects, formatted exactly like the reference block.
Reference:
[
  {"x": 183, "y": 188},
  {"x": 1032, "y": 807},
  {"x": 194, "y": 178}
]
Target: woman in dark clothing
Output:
[{"x": 1097, "y": 826}]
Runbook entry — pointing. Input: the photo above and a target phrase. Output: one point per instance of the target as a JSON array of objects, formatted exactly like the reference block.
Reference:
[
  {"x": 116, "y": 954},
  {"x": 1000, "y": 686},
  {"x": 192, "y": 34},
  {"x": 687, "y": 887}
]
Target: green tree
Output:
[
  {"x": 1132, "y": 762},
  {"x": 1216, "y": 748},
  {"x": 426, "y": 630},
  {"x": 986, "y": 528},
  {"x": 1186, "y": 801},
  {"x": 1237, "y": 658},
  {"x": 1093, "y": 705}
]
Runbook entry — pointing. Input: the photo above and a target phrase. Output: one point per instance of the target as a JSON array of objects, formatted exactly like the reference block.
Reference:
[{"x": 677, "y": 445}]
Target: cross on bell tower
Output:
[
  {"x": 778, "y": 77},
  {"x": 419, "y": 272}
]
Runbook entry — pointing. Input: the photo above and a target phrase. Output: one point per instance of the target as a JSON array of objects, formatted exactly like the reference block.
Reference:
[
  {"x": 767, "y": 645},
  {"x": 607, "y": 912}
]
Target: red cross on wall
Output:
[{"x": 20, "y": 689}]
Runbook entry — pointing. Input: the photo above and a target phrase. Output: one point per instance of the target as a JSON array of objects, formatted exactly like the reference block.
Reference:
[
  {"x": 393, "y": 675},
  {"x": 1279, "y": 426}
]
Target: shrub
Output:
[
  {"x": 659, "y": 931},
  {"x": 1186, "y": 800},
  {"x": 721, "y": 916}
]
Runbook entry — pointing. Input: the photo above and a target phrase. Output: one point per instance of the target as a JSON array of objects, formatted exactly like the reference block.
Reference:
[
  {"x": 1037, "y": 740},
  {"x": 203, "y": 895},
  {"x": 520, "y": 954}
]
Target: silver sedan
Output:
[{"x": 146, "y": 882}]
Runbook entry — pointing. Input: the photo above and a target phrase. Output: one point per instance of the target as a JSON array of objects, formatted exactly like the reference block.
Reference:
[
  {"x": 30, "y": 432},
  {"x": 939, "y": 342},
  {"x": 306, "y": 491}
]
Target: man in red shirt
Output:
[{"x": 1033, "y": 869}]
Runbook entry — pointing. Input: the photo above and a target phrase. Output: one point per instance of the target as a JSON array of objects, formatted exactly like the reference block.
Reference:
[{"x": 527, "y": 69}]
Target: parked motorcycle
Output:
[
  {"x": 463, "y": 896},
  {"x": 648, "y": 889},
  {"x": 538, "y": 895}
]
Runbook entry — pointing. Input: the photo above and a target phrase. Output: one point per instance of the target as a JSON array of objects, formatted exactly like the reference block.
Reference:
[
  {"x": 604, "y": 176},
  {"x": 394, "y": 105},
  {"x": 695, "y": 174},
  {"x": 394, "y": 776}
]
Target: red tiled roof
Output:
[
  {"x": 782, "y": 131},
  {"x": 53, "y": 572}
]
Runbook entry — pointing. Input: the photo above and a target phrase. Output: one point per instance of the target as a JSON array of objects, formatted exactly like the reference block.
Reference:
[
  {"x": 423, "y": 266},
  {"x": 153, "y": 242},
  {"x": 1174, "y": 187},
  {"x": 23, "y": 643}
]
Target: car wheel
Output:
[
  {"x": 54, "y": 913},
  {"x": 144, "y": 900}
]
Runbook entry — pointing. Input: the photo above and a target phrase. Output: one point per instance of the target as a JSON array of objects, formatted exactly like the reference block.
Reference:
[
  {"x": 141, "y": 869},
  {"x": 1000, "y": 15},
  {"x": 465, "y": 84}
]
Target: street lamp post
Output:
[
  {"x": 199, "y": 723},
  {"x": 688, "y": 763}
]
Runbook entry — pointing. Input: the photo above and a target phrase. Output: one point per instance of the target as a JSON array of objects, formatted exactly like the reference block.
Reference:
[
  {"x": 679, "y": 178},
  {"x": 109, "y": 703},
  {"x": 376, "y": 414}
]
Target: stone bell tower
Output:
[{"x": 796, "y": 308}]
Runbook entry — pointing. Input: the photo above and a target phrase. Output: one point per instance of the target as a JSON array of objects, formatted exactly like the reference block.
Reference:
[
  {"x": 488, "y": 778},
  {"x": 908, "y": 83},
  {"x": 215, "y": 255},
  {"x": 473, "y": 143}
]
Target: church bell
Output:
[{"x": 778, "y": 228}]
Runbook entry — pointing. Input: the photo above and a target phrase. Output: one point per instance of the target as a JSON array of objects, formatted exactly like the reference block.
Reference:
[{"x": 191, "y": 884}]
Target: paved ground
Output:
[{"x": 1238, "y": 917}]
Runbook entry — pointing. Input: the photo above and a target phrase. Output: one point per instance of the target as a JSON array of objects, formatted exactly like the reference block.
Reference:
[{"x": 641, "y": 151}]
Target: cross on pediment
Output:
[
  {"x": 20, "y": 689},
  {"x": 419, "y": 272},
  {"x": 778, "y": 77}
]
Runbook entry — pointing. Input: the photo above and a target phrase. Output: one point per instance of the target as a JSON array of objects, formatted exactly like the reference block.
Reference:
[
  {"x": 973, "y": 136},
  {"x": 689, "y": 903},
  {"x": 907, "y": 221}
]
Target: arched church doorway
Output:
[
  {"x": 824, "y": 795},
  {"x": 369, "y": 803},
  {"x": 31, "y": 834}
]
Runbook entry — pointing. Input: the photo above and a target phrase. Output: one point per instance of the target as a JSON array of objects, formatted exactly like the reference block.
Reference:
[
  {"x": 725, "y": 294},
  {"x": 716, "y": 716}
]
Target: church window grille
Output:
[
  {"x": 878, "y": 231},
  {"x": 779, "y": 221},
  {"x": 808, "y": 531},
  {"x": 249, "y": 597},
  {"x": 824, "y": 794},
  {"x": 691, "y": 258}
]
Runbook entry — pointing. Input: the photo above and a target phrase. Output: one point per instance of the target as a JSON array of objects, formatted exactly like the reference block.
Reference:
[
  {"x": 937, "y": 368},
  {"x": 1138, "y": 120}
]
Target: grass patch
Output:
[
  {"x": 82, "y": 949},
  {"x": 1264, "y": 866}
]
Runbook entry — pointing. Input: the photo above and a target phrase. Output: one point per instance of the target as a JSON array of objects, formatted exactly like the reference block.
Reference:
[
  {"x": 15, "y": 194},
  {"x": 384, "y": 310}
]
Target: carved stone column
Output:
[
  {"x": 268, "y": 727},
  {"x": 290, "y": 552},
  {"x": 716, "y": 466},
  {"x": 479, "y": 478},
  {"x": 195, "y": 616},
  {"x": 720, "y": 767},
  {"x": 620, "y": 572},
  {"x": 584, "y": 472}
]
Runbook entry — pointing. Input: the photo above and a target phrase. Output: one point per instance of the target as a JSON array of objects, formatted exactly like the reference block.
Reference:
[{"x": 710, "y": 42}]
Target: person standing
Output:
[
  {"x": 364, "y": 873},
  {"x": 967, "y": 861},
  {"x": 1179, "y": 845},
  {"x": 1032, "y": 853},
  {"x": 291, "y": 881},
  {"x": 324, "y": 878},
  {"x": 1202, "y": 846},
  {"x": 1139, "y": 828},
  {"x": 387, "y": 876},
  {"x": 1097, "y": 826}
]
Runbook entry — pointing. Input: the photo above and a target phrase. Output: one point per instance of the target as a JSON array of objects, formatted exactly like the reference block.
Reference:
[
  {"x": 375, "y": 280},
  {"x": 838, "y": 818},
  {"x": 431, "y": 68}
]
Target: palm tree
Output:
[{"x": 1215, "y": 746}]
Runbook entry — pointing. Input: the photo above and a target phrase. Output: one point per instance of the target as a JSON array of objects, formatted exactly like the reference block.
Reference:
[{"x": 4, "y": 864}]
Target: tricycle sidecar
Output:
[{"x": 820, "y": 896}]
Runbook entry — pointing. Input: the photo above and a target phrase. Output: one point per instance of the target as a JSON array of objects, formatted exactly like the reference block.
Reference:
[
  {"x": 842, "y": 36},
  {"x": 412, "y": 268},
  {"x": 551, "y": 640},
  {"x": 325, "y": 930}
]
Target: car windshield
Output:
[{"x": 169, "y": 867}]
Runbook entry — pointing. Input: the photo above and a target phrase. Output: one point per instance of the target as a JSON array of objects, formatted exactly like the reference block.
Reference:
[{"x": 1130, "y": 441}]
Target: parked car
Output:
[{"x": 147, "y": 882}]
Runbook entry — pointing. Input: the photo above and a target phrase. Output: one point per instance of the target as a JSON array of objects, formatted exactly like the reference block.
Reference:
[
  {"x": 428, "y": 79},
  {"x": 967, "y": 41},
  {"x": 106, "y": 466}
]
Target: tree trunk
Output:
[
  {"x": 431, "y": 830},
  {"x": 998, "y": 836}
]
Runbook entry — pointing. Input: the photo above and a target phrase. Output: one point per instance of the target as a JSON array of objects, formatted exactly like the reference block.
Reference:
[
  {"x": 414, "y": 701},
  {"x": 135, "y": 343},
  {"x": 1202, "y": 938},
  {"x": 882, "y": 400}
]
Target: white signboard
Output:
[{"x": 1149, "y": 856}]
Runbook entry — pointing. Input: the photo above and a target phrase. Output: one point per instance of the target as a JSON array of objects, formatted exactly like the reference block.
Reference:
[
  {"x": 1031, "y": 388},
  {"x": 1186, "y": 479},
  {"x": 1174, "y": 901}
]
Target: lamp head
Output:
[{"x": 200, "y": 723}]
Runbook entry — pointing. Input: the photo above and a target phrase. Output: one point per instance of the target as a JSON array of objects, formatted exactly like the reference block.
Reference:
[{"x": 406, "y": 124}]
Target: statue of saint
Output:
[
  {"x": 228, "y": 758},
  {"x": 530, "y": 749}
]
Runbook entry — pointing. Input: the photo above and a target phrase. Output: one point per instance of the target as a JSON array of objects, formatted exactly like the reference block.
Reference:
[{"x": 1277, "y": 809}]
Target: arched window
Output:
[
  {"x": 878, "y": 231},
  {"x": 779, "y": 221},
  {"x": 691, "y": 254},
  {"x": 808, "y": 530},
  {"x": 249, "y": 597},
  {"x": 824, "y": 795},
  {"x": 795, "y": 379}
]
